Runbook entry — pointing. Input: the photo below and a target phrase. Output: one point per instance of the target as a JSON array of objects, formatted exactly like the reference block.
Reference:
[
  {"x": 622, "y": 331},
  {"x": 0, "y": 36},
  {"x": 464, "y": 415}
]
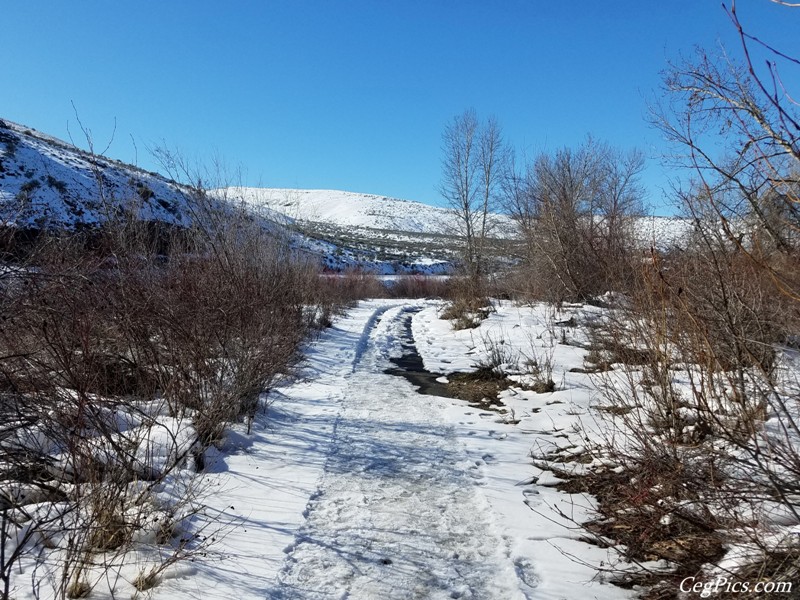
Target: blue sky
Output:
[{"x": 352, "y": 95}]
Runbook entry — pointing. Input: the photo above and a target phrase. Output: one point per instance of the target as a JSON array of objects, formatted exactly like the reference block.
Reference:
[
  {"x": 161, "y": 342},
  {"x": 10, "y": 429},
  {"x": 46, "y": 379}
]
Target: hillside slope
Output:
[
  {"x": 48, "y": 184},
  {"x": 350, "y": 209},
  {"x": 366, "y": 217}
]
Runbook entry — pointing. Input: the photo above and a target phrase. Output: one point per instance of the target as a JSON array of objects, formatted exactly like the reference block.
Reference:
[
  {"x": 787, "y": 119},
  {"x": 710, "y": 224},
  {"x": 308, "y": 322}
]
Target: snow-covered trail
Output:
[
  {"x": 398, "y": 512},
  {"x": 354, "y": 486}
]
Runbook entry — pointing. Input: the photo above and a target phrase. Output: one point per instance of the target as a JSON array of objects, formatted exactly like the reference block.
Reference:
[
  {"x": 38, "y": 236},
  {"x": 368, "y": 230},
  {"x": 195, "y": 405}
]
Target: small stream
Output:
[{"x": 411, "y": 367}]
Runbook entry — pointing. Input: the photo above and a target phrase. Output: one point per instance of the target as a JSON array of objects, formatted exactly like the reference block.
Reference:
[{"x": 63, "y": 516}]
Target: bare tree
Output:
[
  {"x": 574, "y": 209},
  {"x": 737, "y": 127},
  {"x": 473, "y": 155},
  {"x": 710, "y": 413}
]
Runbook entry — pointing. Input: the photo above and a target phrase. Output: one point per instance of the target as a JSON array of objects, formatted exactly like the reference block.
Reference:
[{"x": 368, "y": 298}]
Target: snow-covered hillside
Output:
[
  {"x": 662, "y": 233},
  {"x": 368, "y": 217},
  {"x": 349, "y": 209},
  {"x": 357, "y": 212},
  {"x": 47, "y": 183},
  {"x": 377, "y": 233}
]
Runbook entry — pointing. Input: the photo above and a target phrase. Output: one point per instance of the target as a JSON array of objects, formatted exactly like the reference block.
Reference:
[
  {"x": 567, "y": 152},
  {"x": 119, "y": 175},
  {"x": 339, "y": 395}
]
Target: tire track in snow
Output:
[{"x": 398, "y": 512}]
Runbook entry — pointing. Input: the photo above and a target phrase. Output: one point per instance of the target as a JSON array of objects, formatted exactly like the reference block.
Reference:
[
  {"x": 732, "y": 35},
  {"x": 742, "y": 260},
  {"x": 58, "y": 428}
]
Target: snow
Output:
[
  {"x": 45, "y": 182},
  {"x": 354, "y": 485},
  {"x": 351, "y": 484},
  {"x": 388, "y": 218},
  {"x": 349, "y": 209}
]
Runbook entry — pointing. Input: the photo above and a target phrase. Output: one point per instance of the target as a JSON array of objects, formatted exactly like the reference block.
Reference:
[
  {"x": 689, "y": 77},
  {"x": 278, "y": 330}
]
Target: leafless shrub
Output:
[
  {"x": 701, "y": 455},
  {"x": 467, "y": 307},
  {"x": 700, "y": 428},
  {"x": 574, "y": 210},
  {"x": 125, "y": 352},
  {"x": 348, "y": 287},
  {"x": 420, "y": 286},
  {"x": 537, "y": 361},
  {"x": 500, "y": 358}
]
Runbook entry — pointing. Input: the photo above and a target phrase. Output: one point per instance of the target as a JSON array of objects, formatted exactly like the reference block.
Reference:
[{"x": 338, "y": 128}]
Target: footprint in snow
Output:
[{"x": 526, "y": 574}]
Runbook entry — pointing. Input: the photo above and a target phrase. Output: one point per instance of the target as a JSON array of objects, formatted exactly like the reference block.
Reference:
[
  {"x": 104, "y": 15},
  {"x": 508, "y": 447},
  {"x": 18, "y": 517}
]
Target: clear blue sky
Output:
[{"x": 351, "y": 95}]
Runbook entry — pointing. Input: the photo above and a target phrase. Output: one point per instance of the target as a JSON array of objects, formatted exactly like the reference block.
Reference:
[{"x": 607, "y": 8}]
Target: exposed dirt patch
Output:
[{"x": 480, "y": 387}]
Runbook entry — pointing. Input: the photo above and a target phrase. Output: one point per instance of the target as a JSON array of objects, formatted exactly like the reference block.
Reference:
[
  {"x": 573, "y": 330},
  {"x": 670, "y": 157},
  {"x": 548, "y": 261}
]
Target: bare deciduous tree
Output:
[
  {"x": 574, "y": 209},
  {"x": 473, "y": 155},
  {"x": 709, "y": 416}
]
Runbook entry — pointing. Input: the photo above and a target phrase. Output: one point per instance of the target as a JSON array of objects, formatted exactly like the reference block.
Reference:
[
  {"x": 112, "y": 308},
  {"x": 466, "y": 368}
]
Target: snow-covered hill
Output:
[
  {"x": 662, "y": 233},
  {"x": 48, "y": 183},
  {"x": 349, "y": 209},
  {"x": 368, "y": 216}
]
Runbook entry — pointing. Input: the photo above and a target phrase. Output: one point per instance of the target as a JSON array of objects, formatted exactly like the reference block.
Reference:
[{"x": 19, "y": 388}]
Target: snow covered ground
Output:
[{"x": 353, "y": 485}]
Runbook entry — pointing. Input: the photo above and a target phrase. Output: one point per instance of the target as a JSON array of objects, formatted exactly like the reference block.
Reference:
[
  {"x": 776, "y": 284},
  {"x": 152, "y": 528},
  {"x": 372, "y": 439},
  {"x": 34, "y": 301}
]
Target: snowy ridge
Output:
[
  {"x": 350, "y": 209},
  {"x": 47, "y": 183},
  {"x": 365, "y": 214},
  {"x": 662, "y": 233},
  {"x": 368, "y": 211}
]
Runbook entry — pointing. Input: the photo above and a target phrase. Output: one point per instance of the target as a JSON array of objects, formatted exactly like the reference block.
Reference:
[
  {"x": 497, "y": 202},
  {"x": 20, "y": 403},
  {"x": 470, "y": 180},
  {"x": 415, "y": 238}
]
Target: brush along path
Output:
[{"x": 398, "y": 512}]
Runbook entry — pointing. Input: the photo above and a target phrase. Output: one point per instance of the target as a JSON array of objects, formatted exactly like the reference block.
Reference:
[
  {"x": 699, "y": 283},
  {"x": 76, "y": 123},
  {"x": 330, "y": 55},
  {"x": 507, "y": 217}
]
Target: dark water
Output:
[{"x": 411, "y": 367}]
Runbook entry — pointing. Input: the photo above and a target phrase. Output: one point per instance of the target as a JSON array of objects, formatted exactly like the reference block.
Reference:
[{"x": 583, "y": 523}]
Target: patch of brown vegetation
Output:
[
  {"x": 467, "y": 312},
  {"x": 479, "y": 387},
  {"x": 645, "y": 513}
]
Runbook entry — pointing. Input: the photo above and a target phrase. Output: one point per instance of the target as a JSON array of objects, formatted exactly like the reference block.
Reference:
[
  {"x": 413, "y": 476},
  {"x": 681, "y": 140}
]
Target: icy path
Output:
[
  {"x": 354, "y": 486},
  {"x": 398, "y": 513}
]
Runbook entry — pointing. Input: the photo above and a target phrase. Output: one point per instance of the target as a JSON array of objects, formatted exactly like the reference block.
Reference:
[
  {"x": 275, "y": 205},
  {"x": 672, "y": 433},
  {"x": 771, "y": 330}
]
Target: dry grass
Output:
[{"x": 107, "y": 328}]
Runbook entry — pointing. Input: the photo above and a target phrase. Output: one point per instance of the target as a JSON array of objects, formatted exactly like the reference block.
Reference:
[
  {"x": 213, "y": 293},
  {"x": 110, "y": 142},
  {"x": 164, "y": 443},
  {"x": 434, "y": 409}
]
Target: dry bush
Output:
[
  {"x": 124, "y": 353},
  {"x": 701, "y": 456},
  {"x": 420, "y": 286},
  {"x": 332, "y": 293},
  {"x": 575, "y": 212},
  {"x": 500, "y": 358},
  {"x": 537, "y": 360},
  {"x": 349, "y": 286},
  {"x": 701, "y": 443},
  {"x": 466, "y": 313},
  {"x": 468, "y": 305}
]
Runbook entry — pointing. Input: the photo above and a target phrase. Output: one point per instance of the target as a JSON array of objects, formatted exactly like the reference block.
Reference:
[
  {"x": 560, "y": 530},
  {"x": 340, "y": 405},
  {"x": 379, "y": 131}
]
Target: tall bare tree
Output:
[
  {"x": 715, "y": 319},
  {"x": 473, "y": 154},
  {"x": 737, "y": 127}
]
